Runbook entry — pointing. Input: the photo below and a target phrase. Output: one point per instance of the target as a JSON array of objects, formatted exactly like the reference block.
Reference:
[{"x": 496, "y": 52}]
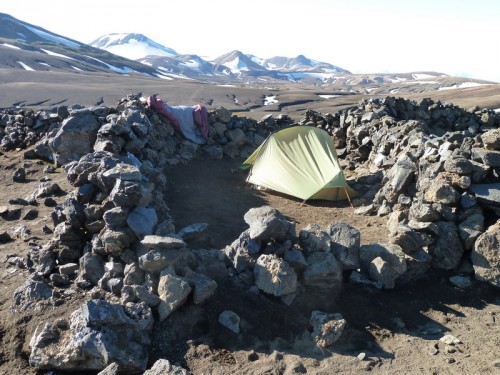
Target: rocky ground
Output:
[
  {"x": 387, "y": 332},
  {"x": 427, "y": 325}
]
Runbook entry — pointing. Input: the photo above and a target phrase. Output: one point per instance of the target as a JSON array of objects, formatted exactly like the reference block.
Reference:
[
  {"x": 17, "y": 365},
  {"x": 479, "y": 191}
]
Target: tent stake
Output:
[{"x": 348, "y": 197}]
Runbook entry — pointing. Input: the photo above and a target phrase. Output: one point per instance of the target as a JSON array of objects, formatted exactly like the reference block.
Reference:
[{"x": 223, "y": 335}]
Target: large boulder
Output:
[
  {"x": 345, "y": 244},
  {"x": 267, "y": 223},
  {"x": 75, "y": 138},
  {"x": 98, "y": 334},
  {"x": 486, "y": 256}
]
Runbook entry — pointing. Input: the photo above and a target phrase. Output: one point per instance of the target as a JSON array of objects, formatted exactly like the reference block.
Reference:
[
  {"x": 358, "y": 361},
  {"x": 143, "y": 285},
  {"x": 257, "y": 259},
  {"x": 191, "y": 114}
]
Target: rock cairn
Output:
[{"x": 431, "y": 168}]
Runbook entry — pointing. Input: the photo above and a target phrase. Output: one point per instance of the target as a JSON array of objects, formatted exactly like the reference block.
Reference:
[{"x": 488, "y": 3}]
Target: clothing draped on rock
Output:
[{"x": 190, "y": 121}]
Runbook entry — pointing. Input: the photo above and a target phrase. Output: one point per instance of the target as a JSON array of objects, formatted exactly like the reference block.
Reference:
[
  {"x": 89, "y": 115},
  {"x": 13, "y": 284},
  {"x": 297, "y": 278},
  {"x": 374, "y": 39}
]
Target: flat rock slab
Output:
[
  {"x": 163, "y": 242},
  {"x": 487, "y": 193}
]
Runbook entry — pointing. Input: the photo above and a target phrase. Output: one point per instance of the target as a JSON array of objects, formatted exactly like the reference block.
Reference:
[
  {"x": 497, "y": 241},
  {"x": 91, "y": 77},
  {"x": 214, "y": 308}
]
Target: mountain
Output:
[
  {"x": 301, "y": 64},
  {"x": 230, "y": 66},
  {"x": 186, "y": 66},
  {"x": 131, "y": 46},
  {"x": 239, "y": 63},
  {"x": 28, "y": 47}
]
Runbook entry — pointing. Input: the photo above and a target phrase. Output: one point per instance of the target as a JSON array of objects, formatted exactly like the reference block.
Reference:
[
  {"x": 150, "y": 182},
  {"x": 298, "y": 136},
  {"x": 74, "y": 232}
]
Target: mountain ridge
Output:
[{"x": 24, "y": 46}]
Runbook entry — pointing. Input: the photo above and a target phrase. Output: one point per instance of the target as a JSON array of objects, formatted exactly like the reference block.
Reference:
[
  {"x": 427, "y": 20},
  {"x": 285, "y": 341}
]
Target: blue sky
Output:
[{"x": 459, "y": 37}]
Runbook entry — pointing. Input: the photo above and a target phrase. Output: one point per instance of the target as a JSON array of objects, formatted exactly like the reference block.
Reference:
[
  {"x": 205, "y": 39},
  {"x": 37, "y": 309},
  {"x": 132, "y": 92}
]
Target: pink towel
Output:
[
  {"x": 201, "y": 119},
  {"x": 200, "y": 115}
]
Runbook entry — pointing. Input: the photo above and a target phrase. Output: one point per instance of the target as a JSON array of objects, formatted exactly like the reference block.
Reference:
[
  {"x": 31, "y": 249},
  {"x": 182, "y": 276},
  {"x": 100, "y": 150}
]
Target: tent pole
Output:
[{"x": 348, "y": 197}]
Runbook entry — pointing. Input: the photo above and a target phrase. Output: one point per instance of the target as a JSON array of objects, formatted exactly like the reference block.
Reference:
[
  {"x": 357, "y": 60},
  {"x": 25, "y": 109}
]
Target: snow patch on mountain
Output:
[
  {"x": 131, "y": 46},
  {"x": 124, "y": 70},
  {"x": 56, "y": 54},
  {"x": 26, "y": 67},
  {"x": 10, "y": 46}
]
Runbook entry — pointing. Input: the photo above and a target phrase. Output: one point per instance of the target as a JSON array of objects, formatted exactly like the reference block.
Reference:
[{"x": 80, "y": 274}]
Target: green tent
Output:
[{"x": 299, "y": 161}]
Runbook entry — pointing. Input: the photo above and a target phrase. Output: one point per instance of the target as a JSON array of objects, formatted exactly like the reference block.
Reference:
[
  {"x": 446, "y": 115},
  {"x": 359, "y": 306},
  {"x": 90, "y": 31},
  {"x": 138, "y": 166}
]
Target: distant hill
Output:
[{"x": 30, "y": 47}]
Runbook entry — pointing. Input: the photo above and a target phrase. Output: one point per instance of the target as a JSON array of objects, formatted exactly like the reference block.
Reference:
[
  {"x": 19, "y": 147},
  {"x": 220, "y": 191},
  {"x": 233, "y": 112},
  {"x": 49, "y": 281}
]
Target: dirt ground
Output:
[{"x": 388, "y": 331}]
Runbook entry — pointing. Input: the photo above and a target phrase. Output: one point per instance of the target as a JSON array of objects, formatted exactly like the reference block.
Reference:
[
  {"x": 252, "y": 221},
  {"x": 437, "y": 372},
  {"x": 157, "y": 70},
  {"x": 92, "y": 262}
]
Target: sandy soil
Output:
[{"x": 388, "y": 332}]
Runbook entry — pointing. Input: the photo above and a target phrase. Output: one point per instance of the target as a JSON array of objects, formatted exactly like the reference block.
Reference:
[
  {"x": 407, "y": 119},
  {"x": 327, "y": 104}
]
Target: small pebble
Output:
[{"x": 433, "y": 350}]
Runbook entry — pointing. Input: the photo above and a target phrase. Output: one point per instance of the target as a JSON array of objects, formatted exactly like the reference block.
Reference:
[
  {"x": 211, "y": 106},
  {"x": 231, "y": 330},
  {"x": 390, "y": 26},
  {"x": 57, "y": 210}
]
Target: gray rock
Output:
[
  {"x": 66, "y": 232},
  {"x": 487, "y": 157},
  {"x": 423, "y": 212},
  {"x": 112, "y": 369},
  {"x": 164, "y": 367},
  {"x": 133, "y": 274},
  {"x": 91, "y": 267},
  {"x": 447, "y": 250},
  {"x": 345, "y": 244},
  {"x": 312, "y": 238},
  {"x": 275, "y": 276},
  {"x": 267, "y": 223},
  {"x": 488, "y": 194},
  {"x": 461, "y": 282},
  {"x": 116, "y": 240},
  {"x": 295, "y": 258},
  {"x": 45, "y": 189},
  {"x": 31, "y": 291},
  {"x": 440, "y": 191},
  {"x": 222, "y": 115},
  {"x": 211, "y": 263},
  {"x": 243, "y": 252},
  {"x": 381, "y": 271},
  {"x": 100, "y": 333},
  {"x": 214, "y": 152},
  {"x": 479, "y": 172},
  {"x": 114, "y": 285},
  {"x": 491, "y": 139},
  {"x": 323, "y": 272},
  {"x": 131, "y": 193},
  {"x": 115, "y": 217},
  {"x": 43, "y": 260},
  {"x": 230, "y": 320},
  {"x": 19, "y": 175},
  {"x": 409, "y": 240},
  {"x": 193, "y": 231},
  {"x": 173, "y": 292},
  {"x": 68, "y": 269},
  {"x": 459, "y": 165},
  {"x": 143, "y": 294},
  {"x": 163, "y": 242},
  {"x": 158, "y": 259},
  {"x": 391, "y": 253},
  {"x": 486, "y": 256},
  {"x": 75, "y": 138},
  {"x": 203, "y": 287},
  {"x": 122, "y": 171},
  {"x": 401, "y": 174},
  {"x": 467, "y": 200},
  {"x": 237, "y": 136},
  {"x": 470, "y": 229},
  {"x": 142, "y": 221},
  {"x": 327, "y": 328}
]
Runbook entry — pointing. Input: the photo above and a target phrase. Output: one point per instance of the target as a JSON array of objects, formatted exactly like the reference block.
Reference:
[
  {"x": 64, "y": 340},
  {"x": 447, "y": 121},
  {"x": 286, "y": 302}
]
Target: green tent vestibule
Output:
[{"x": 300, "y": 161}]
